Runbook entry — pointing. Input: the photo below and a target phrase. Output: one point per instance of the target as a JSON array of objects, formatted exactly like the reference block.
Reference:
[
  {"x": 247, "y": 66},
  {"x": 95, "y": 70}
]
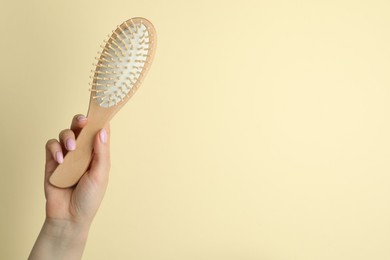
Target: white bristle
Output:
[{"x": 121, "y": 63}]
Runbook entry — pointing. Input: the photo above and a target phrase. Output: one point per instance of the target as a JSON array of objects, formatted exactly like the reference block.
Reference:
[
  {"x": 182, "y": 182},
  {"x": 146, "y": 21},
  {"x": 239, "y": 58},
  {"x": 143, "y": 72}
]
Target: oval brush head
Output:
[
  {"x": 123, "y": 62},
  {"x": 120, "y": 69}
]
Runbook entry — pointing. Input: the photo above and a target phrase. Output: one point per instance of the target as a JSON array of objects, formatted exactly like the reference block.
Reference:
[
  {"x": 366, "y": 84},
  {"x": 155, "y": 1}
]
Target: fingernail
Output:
[
  {"x": 70, "y": 144},
  {"x": 59, "y": 157},
  {"x": 103, "y": 135},
  {"x": 81, "y": 118}
]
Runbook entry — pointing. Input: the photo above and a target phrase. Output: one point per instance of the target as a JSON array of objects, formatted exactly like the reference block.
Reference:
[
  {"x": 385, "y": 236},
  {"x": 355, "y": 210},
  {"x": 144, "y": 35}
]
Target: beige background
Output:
[{"x": 261, "y": 131}]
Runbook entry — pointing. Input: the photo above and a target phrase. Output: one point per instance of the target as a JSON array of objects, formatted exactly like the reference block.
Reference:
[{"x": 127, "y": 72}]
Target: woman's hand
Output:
[
  {"x": 81, "y": 202},
  {"x": 70, "y": 211}
]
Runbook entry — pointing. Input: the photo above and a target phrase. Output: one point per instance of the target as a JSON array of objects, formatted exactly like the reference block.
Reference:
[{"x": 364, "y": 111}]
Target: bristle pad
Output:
[{"x": 121, "y": 64}]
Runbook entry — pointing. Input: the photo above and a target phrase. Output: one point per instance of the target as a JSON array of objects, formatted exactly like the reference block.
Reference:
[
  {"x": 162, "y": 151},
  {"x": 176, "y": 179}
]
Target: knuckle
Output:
[
  {"x": 65, "y": 132},
  {"x": 50, "y": 143}
]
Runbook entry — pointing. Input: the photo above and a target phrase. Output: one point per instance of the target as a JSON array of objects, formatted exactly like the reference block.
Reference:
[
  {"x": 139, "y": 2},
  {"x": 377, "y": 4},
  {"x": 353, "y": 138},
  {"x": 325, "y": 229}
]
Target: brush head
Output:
[{"x": 123, "y": 62}]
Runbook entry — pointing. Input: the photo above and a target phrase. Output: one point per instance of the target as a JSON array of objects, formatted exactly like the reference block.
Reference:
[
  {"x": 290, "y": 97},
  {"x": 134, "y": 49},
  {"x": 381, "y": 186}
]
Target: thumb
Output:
[{"x": 100, "y": 165}]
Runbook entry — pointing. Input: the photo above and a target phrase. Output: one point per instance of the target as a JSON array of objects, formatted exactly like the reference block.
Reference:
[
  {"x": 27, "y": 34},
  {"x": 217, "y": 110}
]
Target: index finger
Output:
[{"x": 78, "y": 122}]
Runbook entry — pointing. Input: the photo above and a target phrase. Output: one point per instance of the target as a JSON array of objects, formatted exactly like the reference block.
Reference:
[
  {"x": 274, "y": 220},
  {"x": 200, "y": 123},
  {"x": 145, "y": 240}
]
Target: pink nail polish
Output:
[
  {"x": 103, "y": 136},
  {"x": 70, "y": 144},
  {"x": 81, "y": 118},
  {"x": 59, "y": 157}
]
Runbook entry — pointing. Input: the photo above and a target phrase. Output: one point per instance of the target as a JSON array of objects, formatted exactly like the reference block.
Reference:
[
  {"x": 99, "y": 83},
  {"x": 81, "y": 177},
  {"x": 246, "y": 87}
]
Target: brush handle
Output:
[{"x": 76, "y": 162}]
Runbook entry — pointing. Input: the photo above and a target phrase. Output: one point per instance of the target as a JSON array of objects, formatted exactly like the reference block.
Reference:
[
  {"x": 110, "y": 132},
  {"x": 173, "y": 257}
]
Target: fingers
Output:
[
  {"x": 54, "y": 156},
  {"x": 67, "y": 140},
  {"x": 68, "y": 137},
  {"x": 56, "y": 150}
]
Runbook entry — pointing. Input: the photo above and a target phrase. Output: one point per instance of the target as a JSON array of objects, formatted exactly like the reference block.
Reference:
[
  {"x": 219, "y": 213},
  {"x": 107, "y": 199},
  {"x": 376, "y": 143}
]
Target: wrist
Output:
[
  {"x": 66, "y": 230},
  {"x": 60, "y": 239},
  {"x": 67, "y": 238}
]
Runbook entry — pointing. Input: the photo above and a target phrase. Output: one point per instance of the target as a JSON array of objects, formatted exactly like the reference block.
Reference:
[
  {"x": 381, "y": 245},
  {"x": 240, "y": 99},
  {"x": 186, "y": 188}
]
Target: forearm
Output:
[
  {"x": 69, "y": 212},
  {"x": 60, "y": 239}
]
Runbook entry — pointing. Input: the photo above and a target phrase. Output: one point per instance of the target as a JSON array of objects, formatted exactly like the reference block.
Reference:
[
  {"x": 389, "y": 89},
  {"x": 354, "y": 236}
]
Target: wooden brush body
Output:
[{"x": 111, "y": 89}]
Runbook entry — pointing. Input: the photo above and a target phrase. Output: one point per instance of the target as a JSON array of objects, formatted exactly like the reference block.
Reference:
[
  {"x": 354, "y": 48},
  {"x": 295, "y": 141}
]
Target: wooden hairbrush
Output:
[{"x": 123, "y": 63}]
